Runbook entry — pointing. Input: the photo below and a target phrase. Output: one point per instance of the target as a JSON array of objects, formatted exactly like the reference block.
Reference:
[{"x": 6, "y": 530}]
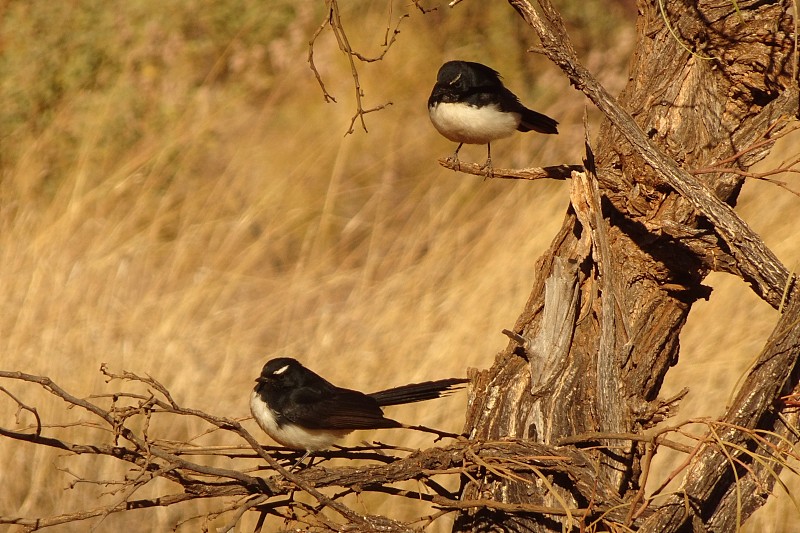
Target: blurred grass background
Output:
[{"x": 176, "y": 199}]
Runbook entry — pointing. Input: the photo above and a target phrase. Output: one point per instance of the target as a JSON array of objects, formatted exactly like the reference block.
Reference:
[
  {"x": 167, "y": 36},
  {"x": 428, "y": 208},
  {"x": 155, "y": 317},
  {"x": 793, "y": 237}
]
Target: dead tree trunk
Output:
[{"x": 711, "y": 86}]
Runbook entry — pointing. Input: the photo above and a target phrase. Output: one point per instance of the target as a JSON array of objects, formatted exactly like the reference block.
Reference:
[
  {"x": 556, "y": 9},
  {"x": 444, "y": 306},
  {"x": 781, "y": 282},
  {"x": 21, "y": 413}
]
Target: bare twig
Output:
[
  {"x": 325, "y": 94},
  {"x": 333, "y": 20},
  {"x": 422, "y": 9},
  {"x": 656, "y": 439},
  {"x": 559, "y": 172},
  {"x": 724, "y": 166},
  {"x": 22, "y": 407}
]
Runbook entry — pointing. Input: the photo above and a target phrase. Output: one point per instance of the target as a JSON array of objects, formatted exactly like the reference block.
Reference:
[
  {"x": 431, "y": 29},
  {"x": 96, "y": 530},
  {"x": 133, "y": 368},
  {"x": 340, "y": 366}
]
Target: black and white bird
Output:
[
  {"x": 469, "y": 104},
  {"x": 301, "y": 410}
]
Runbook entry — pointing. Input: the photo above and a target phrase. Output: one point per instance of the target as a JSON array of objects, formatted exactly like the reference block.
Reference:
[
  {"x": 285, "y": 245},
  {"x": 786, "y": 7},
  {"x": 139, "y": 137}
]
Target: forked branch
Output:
[
  {"x": 761, "y": 268},
  {"x": 333, "y": 20}
]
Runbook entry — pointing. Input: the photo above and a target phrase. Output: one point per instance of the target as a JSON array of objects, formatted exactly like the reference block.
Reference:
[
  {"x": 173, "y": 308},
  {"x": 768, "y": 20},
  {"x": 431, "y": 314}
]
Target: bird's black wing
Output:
[
  {"x": 529, "y": 119},
  {"x": 417, "y": 392},
  {"x": 335, "y": 409}
]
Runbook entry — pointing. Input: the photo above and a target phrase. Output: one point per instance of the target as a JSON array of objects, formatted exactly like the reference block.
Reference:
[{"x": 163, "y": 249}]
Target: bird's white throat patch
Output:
[{"x": 464, "y": 123}]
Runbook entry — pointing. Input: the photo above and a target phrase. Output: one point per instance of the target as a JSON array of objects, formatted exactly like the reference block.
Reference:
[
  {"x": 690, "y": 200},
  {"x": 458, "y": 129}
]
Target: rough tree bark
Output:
[{"x": 708, "y": 82}]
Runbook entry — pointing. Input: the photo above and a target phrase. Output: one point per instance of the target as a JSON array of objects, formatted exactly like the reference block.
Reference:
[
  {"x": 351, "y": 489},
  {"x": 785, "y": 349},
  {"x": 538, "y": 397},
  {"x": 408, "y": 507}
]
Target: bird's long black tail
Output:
[
  {"x": 533, "y": 120},
  {"x": 417, "y": 392}
]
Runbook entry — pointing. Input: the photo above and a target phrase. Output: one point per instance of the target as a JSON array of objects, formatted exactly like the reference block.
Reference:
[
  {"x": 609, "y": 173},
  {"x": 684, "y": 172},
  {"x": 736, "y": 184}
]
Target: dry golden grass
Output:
[{"x": 196, "y": 210}]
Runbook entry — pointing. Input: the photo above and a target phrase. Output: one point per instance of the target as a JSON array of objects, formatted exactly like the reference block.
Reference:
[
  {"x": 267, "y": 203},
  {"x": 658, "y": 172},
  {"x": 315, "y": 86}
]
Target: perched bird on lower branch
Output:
[{"x": 301, "y": 410}]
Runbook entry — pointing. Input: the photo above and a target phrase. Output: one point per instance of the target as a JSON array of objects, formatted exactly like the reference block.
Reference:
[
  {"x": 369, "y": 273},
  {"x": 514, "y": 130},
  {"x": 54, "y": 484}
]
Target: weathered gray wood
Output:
[{"x": 550, "y": 347}]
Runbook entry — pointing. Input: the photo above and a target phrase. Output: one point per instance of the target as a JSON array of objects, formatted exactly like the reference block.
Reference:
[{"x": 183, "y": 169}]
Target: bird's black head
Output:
[
  {"x": 282, "y": 372},
  {"x": 285, "y": 373},
  {"x": 462, "y": 76}
]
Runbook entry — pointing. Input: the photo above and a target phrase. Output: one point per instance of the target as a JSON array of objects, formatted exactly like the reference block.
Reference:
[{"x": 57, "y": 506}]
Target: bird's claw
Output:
[
  {"x": 488, "y": 169},
  {"x": 453, "y": 160}
]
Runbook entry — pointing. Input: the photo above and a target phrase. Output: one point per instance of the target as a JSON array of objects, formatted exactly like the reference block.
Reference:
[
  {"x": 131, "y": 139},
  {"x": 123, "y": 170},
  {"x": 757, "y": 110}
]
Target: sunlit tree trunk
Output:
[{"x": 709, "y": 81}]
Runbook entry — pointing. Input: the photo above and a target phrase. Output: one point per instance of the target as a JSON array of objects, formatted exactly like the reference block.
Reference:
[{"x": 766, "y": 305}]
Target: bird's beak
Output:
[{"x": 261, "y": 379}]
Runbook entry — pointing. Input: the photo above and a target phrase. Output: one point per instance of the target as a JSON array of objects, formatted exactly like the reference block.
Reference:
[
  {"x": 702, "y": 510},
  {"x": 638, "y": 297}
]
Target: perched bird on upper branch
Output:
[{"x": 469, "y": 104}]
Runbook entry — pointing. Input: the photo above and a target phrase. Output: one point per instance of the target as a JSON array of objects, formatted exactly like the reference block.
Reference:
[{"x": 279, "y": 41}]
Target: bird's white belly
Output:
[
  {"x": 290, "y": 435},
  {"x": 469, "y": 124}
]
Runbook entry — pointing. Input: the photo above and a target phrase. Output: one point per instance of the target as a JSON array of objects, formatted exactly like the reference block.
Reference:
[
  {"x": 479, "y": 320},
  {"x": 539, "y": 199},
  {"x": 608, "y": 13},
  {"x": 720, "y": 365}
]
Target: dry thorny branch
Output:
[
  {"x": 334, "y": 21},
  {"x": 733, "y": 165},
  {"x": 729, "y": 165},
  {"x": 242, "y": 477}
]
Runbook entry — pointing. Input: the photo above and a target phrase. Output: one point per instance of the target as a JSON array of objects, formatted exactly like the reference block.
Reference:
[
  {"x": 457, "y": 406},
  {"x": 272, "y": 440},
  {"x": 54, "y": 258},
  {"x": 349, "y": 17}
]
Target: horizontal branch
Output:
[
  {"x": 596, "y": 436},
  {"x": 66, "y": 518},
  {"x": 495, "y": 505},
  {"x": 558, "y": 172}
]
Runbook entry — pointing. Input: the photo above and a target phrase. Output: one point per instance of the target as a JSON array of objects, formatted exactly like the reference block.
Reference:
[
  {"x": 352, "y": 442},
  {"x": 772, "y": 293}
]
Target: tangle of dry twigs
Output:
[{"x": 245, "y": 477}]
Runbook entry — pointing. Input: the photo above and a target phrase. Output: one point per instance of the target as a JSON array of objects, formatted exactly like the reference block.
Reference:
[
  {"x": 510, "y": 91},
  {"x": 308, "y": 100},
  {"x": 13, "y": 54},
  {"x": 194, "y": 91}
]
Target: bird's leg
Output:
[
  {"x": 488, "y": 165},
  {"x": 454, "y": 158},
  {"x": 303, "y": 458}
]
